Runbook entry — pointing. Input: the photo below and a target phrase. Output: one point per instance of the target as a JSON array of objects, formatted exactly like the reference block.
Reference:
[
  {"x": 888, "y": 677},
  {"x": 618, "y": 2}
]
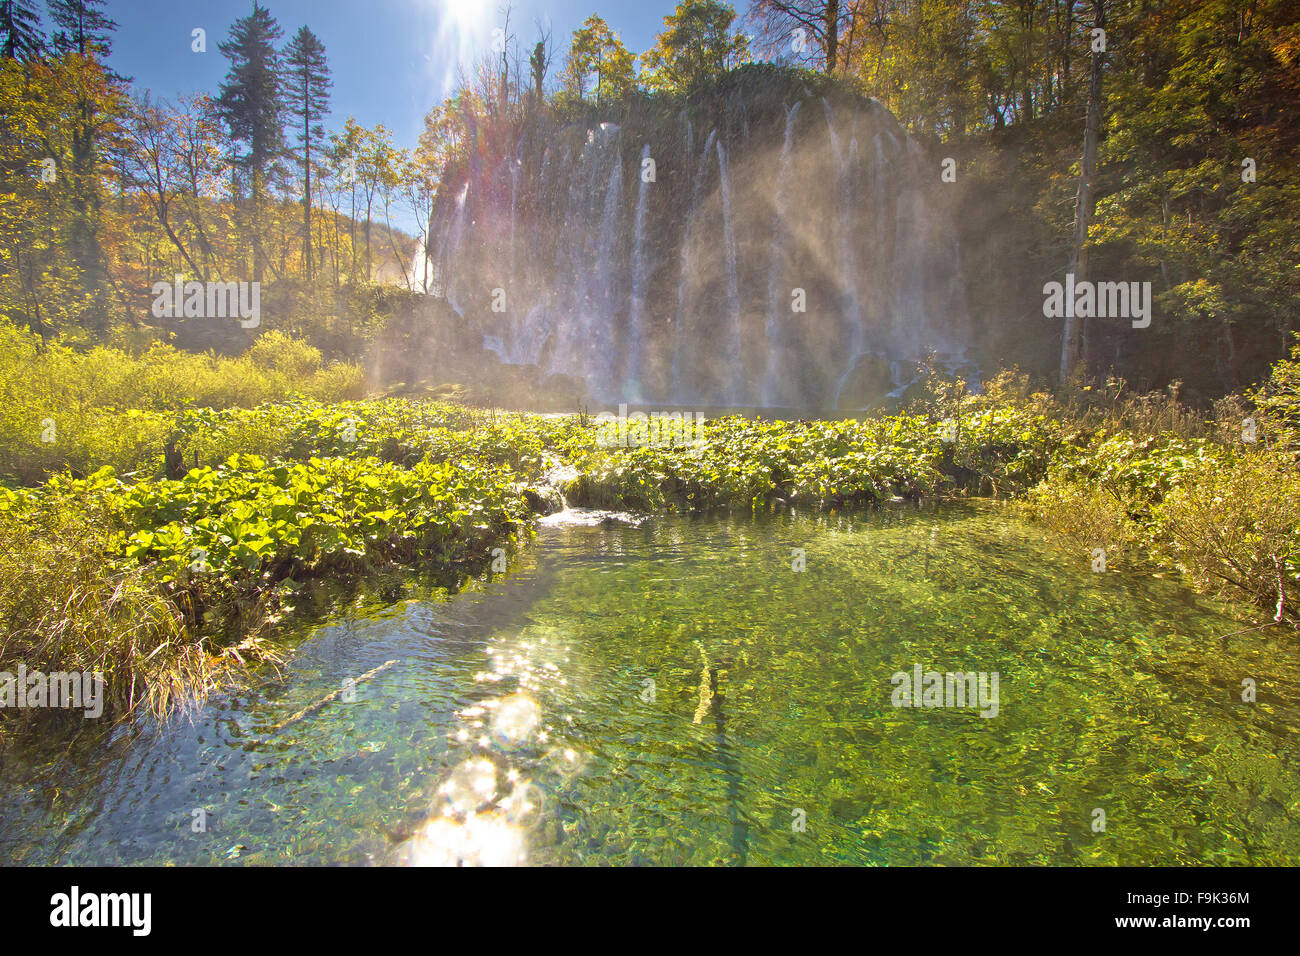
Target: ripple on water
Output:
[{"x": 677, "y": 693}]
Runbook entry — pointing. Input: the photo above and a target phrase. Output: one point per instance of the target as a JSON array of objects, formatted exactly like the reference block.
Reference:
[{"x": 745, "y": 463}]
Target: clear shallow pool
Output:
[{"x": 524, "y": 707}]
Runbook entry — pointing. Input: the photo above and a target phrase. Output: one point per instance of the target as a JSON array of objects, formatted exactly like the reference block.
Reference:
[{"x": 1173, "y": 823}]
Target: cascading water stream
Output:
[
  {"x": 603, "y": 292},
  {"x": 455, "y": 233},
  {"x": 636, "y": 315},
  {"x": 684, "y": 274},
  {"x": 911, "y": 255},
  {"x": 778, "y": 304},
  {"x": 418, "y": 274},
  {"x": 731, "y": 361},
  {"x": 580, "y": 312},
  {"x": 850, "y": 301}
]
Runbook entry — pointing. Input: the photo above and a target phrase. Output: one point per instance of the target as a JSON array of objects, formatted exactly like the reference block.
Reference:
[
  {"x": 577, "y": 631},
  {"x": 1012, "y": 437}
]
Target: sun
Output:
[
  {"x": 458, "y": 14},
  {"x": 458, "y": 34}
]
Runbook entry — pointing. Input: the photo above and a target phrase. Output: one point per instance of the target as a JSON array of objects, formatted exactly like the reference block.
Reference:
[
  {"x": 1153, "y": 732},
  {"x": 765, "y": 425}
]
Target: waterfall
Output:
[
  {"x": 600, "y": 327},
  {"x": 636, "y": 316},
  {"x": 515, "y": 164},
  {"x": 525, "y": 345},
  {"x": 851, "y": 305},
  {"x": 777, "y": 294},
  {"x": 418, "y": 274},
  {"x": 455, "y": 233},
  {"x": 850, "y": 208},
  {"x": 731, "y": 357},
  {"x": 857, "y": 331},
  {"x": 679, "y": 326},
  {"x": 579, "y": 310},
  {"x": 910, "y": 259}
]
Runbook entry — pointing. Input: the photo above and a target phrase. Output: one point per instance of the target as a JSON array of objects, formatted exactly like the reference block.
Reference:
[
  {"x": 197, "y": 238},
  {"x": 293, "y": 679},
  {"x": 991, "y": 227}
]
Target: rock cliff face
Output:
[{"x": 778, "y": 250}]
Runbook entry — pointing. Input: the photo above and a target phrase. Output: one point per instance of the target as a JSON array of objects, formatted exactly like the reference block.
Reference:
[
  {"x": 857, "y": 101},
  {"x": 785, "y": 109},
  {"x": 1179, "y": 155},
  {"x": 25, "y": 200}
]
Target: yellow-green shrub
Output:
[
  {"x": 1088, "y": 515},
  {"x": 64, "y": 408},
  {"x": 1235, "y": 530}
]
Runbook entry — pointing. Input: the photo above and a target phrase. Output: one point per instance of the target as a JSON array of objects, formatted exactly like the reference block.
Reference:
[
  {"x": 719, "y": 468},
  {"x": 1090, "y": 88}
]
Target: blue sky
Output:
[{"x": 392, "y": 60}]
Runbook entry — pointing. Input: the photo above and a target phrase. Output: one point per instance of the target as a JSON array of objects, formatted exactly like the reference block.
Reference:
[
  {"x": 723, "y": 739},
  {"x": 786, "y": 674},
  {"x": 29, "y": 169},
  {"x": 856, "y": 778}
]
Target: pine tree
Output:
[
  {"x": 307, "y": 85},
  {"x": 20, "y": 30},
  {"x": 251, "y": 105},
  {"x": 83, "y": 28}
]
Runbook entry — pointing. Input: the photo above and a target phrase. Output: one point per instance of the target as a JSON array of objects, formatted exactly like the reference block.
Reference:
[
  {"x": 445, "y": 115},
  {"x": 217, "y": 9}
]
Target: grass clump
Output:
[
  {"x": 1209, "y": 496},
  {"x": 68, "y": 605}
]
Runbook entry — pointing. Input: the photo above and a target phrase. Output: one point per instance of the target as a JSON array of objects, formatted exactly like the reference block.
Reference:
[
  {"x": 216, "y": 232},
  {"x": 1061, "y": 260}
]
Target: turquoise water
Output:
[{"x": 675, "y": 693}]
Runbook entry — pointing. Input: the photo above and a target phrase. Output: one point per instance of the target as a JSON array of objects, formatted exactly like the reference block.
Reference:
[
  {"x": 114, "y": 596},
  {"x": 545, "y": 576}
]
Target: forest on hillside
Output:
[
  {"x": 1182, "y": 112},
  {"x": 109, "y": 188}
]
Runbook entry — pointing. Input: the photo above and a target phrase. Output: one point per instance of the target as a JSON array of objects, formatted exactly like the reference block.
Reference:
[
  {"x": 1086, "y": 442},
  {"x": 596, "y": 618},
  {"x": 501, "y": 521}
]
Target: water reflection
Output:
[
  {"x": 488, "y": 802},
  {"x": 480, "y": 840},
  {"x": 515, "y": 721}
]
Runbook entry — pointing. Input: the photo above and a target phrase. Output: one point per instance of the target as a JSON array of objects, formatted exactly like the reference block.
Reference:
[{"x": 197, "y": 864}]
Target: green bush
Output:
[
  {"x": 159, "y": 584},
  {"x": 277, "y": 352}
]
